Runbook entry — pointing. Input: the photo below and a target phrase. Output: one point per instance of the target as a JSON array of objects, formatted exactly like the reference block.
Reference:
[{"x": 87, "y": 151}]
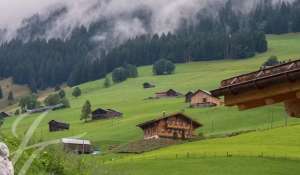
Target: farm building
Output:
[
  {"x": 4, "y": 115},
  {"x": 174, "y": 126},
  {"x": 58, "y": 126},
  {"x": 148, "y": 85},
  {"x": 280, "y": 83},
  {"x": 99, "y": 114},
  {"x": 202, "y": 98},
  {"x": 77, "y": 146},
  {"x": 169, "y": 93},
  {"x": 188, "y": 96}
]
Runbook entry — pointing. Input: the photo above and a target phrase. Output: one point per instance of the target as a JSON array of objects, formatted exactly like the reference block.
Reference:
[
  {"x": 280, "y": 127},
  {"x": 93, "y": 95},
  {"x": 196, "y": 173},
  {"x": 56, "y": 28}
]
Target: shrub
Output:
[
  {"x": 272, "y": 61},
  {"x": 76, "y": 92},
  {"x": 132, "y": 71},
  {"x": 107, "y": 82},
  {"x": 119, "y": 74},
  {"x": 163, "y": 67},
  {"x": 52, "y": 100}
]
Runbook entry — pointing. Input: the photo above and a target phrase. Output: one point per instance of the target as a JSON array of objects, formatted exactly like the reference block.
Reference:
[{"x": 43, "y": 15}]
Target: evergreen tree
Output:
[
  {"x": 163, "y": 67},
  {"x": 52, "y": 99},
  {"x": 10, "y": 96},
  {"x": 132, "y": 71},
  {"x": 76, "y": 92},
  {"x": 62, "y": 93},
  {"x": 1, "y": 93},
  {"x": 107, "y": 82},
  {"x": 86, "y": 111},
  {"x": 119, "y": 74}
]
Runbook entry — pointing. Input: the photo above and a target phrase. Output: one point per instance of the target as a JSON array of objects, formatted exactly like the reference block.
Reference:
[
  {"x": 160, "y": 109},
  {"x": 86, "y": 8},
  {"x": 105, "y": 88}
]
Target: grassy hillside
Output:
[{"x": 128, "y": 97}]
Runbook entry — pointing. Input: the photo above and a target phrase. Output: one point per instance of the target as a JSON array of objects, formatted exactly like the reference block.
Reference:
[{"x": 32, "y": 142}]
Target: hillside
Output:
[{"x": 129, "y": 98}]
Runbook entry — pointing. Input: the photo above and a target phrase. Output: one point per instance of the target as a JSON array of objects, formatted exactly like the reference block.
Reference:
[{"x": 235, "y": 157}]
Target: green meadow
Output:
[{"x": 271, "y": 147}]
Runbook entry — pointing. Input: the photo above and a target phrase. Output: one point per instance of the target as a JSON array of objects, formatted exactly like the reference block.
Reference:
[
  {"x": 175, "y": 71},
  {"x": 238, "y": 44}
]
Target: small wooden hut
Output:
[
  {"x": 169, "y": 93},
  {"x": 203, "y": 98},
  {"x": 55, "y": 126},
  {"x": 147, "y": 85},
  {"x": 77, "y": 146},
  {"x": 100, "y": 113},
  {"x": 174, "y": 126}
]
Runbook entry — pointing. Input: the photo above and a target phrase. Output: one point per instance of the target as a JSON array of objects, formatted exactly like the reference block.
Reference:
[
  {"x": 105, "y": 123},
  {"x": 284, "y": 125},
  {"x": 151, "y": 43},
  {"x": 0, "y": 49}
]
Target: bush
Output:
[
  {"x": 52, "y": 100},
  {"x": 272, "y": 61},
  {"x": 76, "y": 92},
  {"x": 119, "y": 74},
  {"x": 65, "y": 102},
  {"x": 163, "y": 67},
  {"x": 107, "y": 82},
  {"x": 62, "y": 93},
  {"x": 29, "y": 102},
  {"x": 132, "y": 71}
]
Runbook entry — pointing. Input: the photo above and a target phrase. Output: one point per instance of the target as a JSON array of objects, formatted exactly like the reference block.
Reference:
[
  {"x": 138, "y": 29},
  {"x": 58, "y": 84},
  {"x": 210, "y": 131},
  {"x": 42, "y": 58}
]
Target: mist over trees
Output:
[{"x": 229, "y": 33}]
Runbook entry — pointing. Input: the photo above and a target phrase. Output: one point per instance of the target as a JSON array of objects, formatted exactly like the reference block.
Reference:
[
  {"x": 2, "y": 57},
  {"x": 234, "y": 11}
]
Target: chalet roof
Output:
[
  {"x": 75, "y": 141},
  {"x": 142, "y": 125},
  {"x": 168, "y": 91},
  {"x": 287, "y": 72},
  {"x": 189, "y": 93},
  {"x": 54, "y": 121},
  {"x": 205, "y": 92}
]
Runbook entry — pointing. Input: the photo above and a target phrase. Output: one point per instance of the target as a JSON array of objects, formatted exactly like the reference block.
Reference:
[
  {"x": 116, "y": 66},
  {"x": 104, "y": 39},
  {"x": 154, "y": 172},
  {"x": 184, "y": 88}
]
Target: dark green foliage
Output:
[
  {"x": 163, "y": 67},
  {"x": 57, "y": 88},
  {"x": 272, "y": 61},
  {"x": 107, "y": 82},
  {"x": 1, "y": 93},
  {"x": 119, "y": 75},
  {"x": 10, "y": 96},
  {"x": 52, "y": 99},
  {"x": 132, "y": 71},
  {"x": 65, "y": 102},
  {"x": 76, "y": 92},
  {"x": 17, "y": 112},
  {"x": 29, "y": 102},
  {"x": 62, "y": 93},
  {"x": 86, "y": 111}
]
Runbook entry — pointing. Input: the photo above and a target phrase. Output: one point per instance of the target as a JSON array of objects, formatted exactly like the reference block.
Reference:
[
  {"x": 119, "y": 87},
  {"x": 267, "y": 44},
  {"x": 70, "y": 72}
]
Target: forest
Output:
[{"x": 232, "y": 33}]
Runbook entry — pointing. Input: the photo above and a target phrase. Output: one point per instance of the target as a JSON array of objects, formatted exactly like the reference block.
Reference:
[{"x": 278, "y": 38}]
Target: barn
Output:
[
  {"x": 100, "y": 113},
  {"x": 169, "y": 93},
  {"x": 77, "y": 146},
  {"x": 173, "y": 126},
  {"x": 55, "y": 126},
  {"x": 203, "y": 98}
]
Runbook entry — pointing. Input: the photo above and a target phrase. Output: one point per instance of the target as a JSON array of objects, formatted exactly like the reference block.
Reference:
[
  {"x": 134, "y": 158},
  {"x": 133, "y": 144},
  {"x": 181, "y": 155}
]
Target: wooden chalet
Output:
[
  {"x": 169, "y": 93},
  {"x": 280, "y": 83},
  {"x": 77, "y": 146},
  {"x": 4, "y": 114},
  {"x": 203, "y": 98},
  {"x": 148, "y": 85},
  {"x": 100, "y": 113},
  {"x": 55, "y": 126},
  {"x": 174, "y": 126},
  {"x": 188, "y": 96}
]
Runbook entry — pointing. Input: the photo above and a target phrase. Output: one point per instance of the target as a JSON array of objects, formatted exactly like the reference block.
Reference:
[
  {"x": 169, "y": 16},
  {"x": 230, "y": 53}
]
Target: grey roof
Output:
[{"x": 75, "y": 141}]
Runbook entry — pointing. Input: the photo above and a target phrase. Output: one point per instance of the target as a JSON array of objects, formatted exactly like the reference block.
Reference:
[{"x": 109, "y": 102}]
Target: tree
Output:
[
  {"x": 29, "y": 102},
  {"x": 119, "y": 75},
  {"x": 10, "y": 96},
  {"x": 272, "y": 61},
  {"x": 163, "y": 67},
  {"x": 107, "y": 82},
  {"x": 1, "y": 93},
  {"x": 62, "y": 93},
  {"x": 86, "y": 111},
  {"x": 17, "y": 112},
  {"x": 76, "y": 92},
  {"x": 65, "y": 102},
  {"x": 132, "y": 71},
  {"x": 52, "y": 99}
]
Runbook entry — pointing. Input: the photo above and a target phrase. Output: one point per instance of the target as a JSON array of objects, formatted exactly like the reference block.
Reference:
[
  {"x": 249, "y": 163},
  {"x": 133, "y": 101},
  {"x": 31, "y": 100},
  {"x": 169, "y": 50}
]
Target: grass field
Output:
[{"x": 128, "y": 97}]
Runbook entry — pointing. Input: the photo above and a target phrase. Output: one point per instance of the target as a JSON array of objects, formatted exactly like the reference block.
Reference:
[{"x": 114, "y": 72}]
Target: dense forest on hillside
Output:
[{"x": 229, "y": 34}]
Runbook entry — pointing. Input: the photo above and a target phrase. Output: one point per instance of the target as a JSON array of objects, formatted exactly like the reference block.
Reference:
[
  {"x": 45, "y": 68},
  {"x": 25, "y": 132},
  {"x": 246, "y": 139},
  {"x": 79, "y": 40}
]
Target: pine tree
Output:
[
  {"x": 107, "y": 82},
  {"x": 1, "y": 93},
  {"x": 76, "y": 92},
  {"x": 86, "y": 111}
]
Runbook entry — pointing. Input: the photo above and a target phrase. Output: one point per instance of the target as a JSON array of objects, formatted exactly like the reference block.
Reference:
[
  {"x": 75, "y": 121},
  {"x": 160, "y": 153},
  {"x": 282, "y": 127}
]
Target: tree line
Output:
[{"x": 44, "y": 63}]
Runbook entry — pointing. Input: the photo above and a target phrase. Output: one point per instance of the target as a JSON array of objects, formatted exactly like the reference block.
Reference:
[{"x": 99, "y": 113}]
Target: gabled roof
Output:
[
  {"x": 54, "y": 121},
  {"x": 205, "y": 92},
  {"x": 189, "y": 93},
  {"x": 142, "y": 125}
]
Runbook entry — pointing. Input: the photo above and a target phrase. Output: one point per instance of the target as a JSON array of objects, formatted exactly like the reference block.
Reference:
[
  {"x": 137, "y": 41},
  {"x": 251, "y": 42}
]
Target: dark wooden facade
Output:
[
  {"x": 55, "y": 126},
  {"x": 174, "y": 126},
  {"x": 268, "y": 86},
  {"x": 188, "y": 96},
  {"x": 169, "y": 93},
  {"x": 99, "y": 114}
]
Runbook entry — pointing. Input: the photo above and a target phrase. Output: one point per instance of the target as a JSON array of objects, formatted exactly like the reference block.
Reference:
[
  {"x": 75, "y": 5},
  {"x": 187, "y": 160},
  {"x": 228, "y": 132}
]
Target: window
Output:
[{"x": 204, "y": 100}]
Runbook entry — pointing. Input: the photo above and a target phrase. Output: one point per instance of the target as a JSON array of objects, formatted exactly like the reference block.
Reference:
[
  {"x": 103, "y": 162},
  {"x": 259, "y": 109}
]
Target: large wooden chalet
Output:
[
  {"x": 174, "y": 126},
  {"x": 100, "y": 113},
  {"x": 203, "y": 98},
  {"x": 55, "y": 126},
  {"x": 169, "y": 93}
]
